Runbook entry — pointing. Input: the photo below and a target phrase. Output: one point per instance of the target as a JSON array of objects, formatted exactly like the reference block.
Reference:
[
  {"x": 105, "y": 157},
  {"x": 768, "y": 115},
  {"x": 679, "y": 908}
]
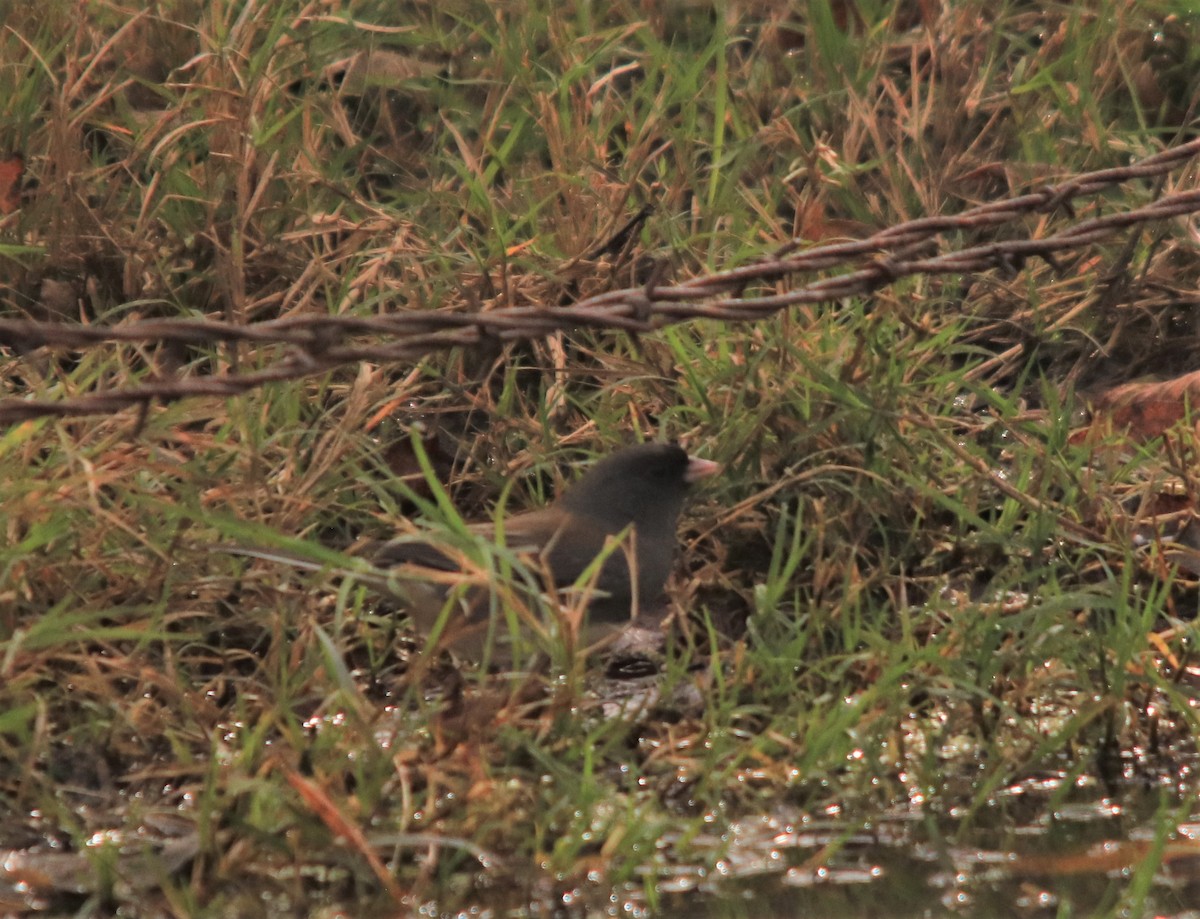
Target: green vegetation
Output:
[{"x": 914, "y": 605}]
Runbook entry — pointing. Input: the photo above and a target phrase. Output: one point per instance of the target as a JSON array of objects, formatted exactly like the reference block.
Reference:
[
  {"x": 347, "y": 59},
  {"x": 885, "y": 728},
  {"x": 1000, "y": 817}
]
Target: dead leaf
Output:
[
  {"x": 813, "y": 225},
  {"x": 1145, "y": 410},
  {"x": 12, "y": 170}
]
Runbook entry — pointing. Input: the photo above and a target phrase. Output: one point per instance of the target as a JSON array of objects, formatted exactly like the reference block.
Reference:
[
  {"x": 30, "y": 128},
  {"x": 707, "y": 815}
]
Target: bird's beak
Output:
[{"x": 698, "y": 469}]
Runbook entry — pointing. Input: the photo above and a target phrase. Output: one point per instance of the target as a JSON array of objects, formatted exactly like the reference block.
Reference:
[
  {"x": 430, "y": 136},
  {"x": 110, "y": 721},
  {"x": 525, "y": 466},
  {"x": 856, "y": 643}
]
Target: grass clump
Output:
[{"x": 915, "y": 601}]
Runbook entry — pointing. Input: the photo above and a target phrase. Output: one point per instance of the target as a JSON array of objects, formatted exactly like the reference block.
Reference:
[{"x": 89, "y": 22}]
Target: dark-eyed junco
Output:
[{"x": 626, "y": 507}]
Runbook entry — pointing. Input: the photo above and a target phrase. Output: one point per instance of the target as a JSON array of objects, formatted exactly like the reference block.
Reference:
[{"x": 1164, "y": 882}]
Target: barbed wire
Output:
[{"x": 319, "y": 343}]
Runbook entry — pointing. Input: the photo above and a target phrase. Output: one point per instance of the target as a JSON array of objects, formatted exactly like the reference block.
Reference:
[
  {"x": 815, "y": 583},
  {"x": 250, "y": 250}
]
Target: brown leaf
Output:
[
  {"x": 1146, "y": 410},
  {"x": 11, "y": 172},
  {"x": 813, "y": 225}
]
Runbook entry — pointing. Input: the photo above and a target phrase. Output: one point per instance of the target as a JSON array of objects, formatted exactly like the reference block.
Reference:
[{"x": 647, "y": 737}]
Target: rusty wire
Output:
[{"x": 319, "y": 343}]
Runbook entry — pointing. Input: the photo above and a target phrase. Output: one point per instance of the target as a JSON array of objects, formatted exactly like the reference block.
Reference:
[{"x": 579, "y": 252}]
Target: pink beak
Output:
[{"x": 698, "y": 469}]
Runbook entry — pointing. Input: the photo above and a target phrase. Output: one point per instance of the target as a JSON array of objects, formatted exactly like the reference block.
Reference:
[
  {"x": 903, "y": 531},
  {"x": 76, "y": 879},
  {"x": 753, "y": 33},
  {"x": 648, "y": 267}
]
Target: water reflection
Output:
[{"x": 1027, "y": 854}]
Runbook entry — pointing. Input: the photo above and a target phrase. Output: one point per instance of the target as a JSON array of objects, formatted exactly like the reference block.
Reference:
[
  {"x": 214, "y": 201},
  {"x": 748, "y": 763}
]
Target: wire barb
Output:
[{"x": 315, "y": 344}]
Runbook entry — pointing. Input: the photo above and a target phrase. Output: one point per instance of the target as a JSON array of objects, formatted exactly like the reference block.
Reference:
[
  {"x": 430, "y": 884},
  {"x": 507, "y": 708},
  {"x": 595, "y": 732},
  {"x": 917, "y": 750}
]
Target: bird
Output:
[{"x": 625, "y": 508}]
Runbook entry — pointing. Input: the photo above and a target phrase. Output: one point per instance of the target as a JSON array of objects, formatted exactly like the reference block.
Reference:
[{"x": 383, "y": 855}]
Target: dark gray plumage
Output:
[{"x": 636, "y": 493}]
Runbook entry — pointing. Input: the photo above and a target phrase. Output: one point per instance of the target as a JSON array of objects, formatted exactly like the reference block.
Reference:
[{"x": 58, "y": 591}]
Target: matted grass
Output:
[{"x": 912, "y": 606}]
